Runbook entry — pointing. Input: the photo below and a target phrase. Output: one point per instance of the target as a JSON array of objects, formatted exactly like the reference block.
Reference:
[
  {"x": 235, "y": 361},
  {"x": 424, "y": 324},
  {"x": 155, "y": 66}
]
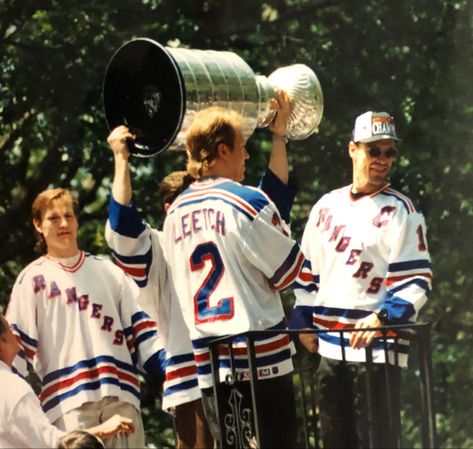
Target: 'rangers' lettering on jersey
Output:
[
  {"x": 363, "y": 254},
  {"x": 83, "y": 332}
]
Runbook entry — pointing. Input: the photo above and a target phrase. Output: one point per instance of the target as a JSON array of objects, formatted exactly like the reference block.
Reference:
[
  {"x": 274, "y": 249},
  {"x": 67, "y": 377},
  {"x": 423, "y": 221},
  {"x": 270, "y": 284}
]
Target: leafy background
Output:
[{"x": 413, "y": 58}]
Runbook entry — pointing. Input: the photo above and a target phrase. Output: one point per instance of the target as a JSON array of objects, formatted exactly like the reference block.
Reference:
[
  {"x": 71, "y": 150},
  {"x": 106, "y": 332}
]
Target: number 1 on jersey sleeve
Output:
[
  {"x": 224, "y": 310},
  {"x": 420, "y": 239}
]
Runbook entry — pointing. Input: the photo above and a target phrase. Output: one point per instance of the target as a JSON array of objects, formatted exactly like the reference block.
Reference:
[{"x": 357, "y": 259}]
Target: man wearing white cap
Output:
[{"x": 367, "y": 252}]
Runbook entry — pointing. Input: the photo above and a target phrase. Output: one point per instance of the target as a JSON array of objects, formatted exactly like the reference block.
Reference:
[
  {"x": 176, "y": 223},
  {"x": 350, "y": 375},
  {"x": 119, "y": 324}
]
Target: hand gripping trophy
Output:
[{"x": 156, "y": 91}]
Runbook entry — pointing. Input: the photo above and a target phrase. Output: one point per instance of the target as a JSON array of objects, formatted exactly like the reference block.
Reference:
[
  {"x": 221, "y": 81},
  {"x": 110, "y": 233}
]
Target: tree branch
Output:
[{"x": 18, "y": 128}]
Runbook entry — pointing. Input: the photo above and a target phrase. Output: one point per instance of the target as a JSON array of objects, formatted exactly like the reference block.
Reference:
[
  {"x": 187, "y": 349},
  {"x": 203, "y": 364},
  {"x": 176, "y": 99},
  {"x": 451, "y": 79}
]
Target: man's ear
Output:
[
  {"x": 223, "y": 150},
  {"x": 352, "y": 148}
]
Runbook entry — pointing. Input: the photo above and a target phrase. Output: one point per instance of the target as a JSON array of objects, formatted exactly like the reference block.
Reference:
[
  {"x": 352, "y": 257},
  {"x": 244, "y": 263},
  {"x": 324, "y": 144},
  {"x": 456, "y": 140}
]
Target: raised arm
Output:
[
  {"x": 125, "y": 232},
  {"x": 121, "y": 186},
  {"x": 278, "y": 161},
  {"x": 275, "y": 182}
]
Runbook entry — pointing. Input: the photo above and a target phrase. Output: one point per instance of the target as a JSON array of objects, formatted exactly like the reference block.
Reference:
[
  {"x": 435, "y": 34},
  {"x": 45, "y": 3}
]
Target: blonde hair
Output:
[
  {"x": 40, "y": 203},
  {"x": 210, "y": 127}
]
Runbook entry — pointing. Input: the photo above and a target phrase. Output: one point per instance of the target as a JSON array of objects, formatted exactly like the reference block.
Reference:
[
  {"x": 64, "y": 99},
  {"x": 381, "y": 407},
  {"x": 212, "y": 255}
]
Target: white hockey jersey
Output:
[
  {"x": 82, "y": 330},
  {"x": 138, "y": 251},
  {"x": 229, "y": 253},
  {"x": 362, "y": 254}
]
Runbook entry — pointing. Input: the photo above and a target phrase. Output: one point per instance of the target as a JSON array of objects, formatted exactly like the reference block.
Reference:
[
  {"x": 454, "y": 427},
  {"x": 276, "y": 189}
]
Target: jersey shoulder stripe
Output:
[
  {"x": 406, "y": 202},
  {"x": 247, "y": 200}
]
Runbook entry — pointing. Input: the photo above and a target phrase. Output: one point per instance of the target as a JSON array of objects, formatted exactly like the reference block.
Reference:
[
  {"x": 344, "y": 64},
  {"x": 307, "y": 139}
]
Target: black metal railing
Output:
[{"x": 240, "y": 425}]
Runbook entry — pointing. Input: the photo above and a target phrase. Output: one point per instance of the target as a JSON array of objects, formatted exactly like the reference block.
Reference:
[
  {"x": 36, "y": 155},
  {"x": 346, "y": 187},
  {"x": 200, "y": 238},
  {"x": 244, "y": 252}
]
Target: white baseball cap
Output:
[{"x": 372, "y": 126}]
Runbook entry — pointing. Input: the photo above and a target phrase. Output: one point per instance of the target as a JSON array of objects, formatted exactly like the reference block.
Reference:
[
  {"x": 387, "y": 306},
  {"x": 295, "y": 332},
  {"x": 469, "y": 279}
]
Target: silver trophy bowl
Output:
[{"x": 156, "y": 91}]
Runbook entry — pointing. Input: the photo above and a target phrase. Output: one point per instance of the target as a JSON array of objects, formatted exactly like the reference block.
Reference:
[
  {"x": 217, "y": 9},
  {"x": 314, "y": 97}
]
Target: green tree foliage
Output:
[{"x": 412, "y": 58}]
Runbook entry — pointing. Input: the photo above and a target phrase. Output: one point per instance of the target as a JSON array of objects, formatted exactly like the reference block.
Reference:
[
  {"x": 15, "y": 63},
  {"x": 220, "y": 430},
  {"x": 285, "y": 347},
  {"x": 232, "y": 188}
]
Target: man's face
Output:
[
  {"x": 372, "y": 163},
  {"x": 238, "y": 156},
  {"x": 59, "y": 228}
]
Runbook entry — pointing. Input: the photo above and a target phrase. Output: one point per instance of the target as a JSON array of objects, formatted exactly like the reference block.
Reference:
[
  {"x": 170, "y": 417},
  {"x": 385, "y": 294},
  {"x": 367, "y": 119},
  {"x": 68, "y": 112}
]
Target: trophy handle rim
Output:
[{"x": 114, "y": 118}]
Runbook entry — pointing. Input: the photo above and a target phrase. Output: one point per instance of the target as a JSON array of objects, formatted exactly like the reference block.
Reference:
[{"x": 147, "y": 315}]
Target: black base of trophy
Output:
[{"x": 144, "y": 90}]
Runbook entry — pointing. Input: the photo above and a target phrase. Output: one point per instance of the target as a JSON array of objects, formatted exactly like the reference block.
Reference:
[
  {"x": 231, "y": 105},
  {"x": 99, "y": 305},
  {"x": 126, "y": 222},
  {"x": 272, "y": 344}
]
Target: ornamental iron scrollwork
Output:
[{"x": 239, "y": 423}]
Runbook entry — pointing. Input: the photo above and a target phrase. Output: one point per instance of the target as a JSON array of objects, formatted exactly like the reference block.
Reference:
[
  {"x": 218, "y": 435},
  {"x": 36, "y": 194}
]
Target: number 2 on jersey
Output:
[{"x": 203, "y": 311}]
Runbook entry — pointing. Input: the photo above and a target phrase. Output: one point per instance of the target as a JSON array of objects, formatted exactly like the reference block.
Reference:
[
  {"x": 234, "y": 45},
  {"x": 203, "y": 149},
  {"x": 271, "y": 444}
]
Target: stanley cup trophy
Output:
[{"x": 156, "y": 91}]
